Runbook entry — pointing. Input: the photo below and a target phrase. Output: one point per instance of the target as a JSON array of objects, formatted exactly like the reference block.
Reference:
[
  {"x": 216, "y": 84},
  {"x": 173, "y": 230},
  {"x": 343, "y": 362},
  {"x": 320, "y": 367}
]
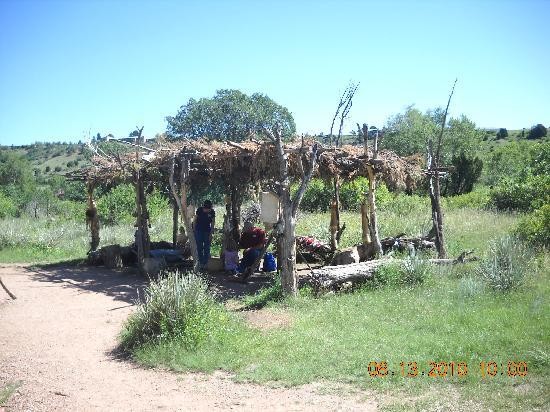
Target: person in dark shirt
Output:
[{"x": 204, "y": 226}]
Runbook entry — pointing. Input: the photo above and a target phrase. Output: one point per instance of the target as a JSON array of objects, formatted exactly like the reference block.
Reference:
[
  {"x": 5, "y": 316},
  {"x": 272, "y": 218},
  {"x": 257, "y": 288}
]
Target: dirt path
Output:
[{"x": 57, "y": 338}]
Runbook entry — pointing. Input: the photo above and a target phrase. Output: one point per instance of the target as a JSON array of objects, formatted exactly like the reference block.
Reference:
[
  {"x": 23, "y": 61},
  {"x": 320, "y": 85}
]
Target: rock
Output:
[
  {"x": 346, "y": 256},
  {"x": 153, "y": 266}
]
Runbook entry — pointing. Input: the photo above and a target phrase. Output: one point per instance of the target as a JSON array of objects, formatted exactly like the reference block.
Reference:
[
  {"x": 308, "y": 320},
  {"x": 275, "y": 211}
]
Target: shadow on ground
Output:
[{"x": 123, "y": 284}]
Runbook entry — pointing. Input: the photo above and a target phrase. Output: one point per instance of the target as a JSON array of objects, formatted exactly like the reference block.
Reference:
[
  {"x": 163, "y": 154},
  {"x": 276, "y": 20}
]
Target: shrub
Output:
[
  {"x": 535, "y": 228},
  {"x": 387, "y": 275},
  {"x": 411, "y": 272},
  {"x": 319, "y": 194},
  {"x": 176, "y": 306},
  {"x": 477, "y": 199},
  {"x": 117, "y": 205},
  {"x": 7, "y": 206},
  {"x": 506, "y": 264},
  {"x": 537, "y": 132},
  {"x": 465, "y": 172},
  {"x": 522, "y": 195},
  {"x": 502, "y": 133},
  {"x": 415, "y": 271},
  {"x": 316, "y": 197}
]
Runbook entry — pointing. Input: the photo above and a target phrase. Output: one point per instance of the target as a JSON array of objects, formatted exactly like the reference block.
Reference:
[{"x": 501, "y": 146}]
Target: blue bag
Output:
[{"x": 269, "y": 263}]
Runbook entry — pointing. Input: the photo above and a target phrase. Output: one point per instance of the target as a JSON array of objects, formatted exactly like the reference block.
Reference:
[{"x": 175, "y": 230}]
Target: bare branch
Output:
[
  {"x": 440, "y": 137},
  {"x": 305, "y": 180},
  {"x": 350, "y": 92}
]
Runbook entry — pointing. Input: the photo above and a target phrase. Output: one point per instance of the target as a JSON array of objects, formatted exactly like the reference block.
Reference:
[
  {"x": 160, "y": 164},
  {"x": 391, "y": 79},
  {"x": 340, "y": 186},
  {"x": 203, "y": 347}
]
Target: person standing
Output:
[{"x": 204, "y": 227}]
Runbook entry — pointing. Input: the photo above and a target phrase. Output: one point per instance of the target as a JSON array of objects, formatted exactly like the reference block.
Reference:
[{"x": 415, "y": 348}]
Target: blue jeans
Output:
[
  {"x": 203, "y": 246},
  {"x": 249, "y": 257}
]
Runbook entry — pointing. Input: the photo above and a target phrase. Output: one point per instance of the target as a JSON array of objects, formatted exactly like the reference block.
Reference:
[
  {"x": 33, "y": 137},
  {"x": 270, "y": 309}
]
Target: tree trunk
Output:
[
  {"x": 181, "y": 199},
  {"x": 365, "y": 225},
  {"x": 142, "y": 222},
  {"x": 333, "y": 225},
  {"x": 373, "y": 227},
  {"x": 236, "y": 203},
  {"x": 92, "y": 219},
  {"x": 437, "y": 216},
  {"x": 287, "y": 252},
  {"x": 175, "y": 222}
]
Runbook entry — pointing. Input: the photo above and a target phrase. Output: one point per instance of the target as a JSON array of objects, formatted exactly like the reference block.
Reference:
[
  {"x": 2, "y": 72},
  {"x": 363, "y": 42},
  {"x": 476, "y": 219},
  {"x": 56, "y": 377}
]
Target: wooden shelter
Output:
[{"x": 273, "y": 164}]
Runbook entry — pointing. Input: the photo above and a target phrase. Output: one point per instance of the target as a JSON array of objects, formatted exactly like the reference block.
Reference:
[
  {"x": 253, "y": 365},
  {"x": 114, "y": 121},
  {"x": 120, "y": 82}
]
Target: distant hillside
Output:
[{"x": 53, "y": 158}]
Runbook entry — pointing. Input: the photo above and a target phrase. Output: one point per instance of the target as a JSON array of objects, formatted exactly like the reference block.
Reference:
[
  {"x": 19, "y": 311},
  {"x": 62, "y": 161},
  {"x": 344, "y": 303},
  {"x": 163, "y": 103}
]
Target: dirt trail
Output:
[{"x": 57, "y": 340}]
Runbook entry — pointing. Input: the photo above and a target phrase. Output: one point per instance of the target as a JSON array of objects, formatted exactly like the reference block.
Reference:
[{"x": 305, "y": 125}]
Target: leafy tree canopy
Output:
[
  {"x": 537, "y": 132},
  {"x": 407, "y": 133},
  {"x": 230, "y": 115}
]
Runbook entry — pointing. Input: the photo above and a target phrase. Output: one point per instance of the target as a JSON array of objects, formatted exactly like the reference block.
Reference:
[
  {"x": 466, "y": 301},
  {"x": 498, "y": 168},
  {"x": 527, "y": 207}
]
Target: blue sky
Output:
[{"x": 73, "y": 68}]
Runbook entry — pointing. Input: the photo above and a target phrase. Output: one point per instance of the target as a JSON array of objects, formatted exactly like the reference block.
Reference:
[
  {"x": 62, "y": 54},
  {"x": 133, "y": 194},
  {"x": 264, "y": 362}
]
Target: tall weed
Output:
[
  {"x": 506, "y": 264},
  {"x": 176, "y": 306}
]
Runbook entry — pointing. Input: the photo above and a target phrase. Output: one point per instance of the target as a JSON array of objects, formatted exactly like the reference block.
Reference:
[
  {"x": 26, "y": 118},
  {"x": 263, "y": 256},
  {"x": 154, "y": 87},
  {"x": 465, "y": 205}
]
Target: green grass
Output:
[
  {"x": 6, "y": 391},
  {"x": 452, "y": 316},
  {"x": 334, "y": 338}
]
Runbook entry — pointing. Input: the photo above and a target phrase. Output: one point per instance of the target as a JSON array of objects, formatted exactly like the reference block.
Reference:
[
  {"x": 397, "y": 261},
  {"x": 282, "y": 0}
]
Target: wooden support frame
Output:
[{"x": 181, "y": 200}]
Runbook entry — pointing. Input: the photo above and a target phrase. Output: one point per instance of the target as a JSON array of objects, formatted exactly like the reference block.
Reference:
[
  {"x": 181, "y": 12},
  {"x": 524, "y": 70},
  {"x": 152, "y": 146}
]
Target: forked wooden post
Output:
[
  {"x": 181, "y": 200},
  {"x": 92, "y": 218},
  {"x": 289, "y": 204}
]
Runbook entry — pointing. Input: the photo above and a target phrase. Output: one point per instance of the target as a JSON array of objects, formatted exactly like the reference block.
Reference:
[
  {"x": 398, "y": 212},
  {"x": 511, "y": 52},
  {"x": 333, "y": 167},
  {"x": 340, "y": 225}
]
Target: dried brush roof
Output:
[{"x": 250, "y": 162}]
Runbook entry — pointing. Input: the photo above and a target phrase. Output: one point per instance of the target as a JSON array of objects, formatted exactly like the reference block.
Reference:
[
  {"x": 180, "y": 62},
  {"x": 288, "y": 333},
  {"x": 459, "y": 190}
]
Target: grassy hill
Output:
[{"x": 53, "y": 158}]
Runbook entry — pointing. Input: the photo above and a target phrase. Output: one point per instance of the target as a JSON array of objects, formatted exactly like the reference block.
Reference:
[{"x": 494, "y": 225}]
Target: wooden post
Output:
[
  {"x": 229, "y": 242},
  {"x": 333, "y": 224},
  {"x": 434, "y": 173},
  {"x": 92, "y": 219},
  {"x": 175, "y": 222},
  {"x": 286, "y": 227},
  {"x": 236, "y": 203},
  {"x": 181, "y": 199},
  {"x": 365, "y": 226},
  {"x": 142, "y": 221},
  {"x": 373, "y": 223}
]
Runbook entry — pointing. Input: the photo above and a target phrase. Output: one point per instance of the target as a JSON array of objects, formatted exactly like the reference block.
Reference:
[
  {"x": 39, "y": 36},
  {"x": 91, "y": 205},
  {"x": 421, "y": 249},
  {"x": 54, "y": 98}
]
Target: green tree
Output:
[
  {"x": 406, "y": 134},
  {"x": 502, "y": 133},
  {"x": 537, "y": 132},
  {"x": 465, "y": 172},
  {"x": 230, "y": 115}
]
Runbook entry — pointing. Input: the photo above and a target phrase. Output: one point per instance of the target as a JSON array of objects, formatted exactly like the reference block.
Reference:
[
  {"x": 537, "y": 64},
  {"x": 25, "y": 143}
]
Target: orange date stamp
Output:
[{"x": 444, "y": 369}]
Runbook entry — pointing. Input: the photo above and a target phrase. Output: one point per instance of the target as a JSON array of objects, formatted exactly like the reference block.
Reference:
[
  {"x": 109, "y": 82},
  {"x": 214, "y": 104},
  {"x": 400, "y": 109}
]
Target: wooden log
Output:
[{"x": 329, "y": 277}]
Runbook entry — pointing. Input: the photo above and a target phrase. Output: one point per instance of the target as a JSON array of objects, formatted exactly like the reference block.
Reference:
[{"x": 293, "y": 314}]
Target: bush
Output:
[
  {"x": 176, "y": 306},
  {"x": 537, "y": 132},
  {"x": 7, "y": 206},
  {"x": 535, "y": 228},
  {"x": 466, "y": 171},
  {"x": 413, "y": 271},
  {"x": 506, "y": 264},
  {"x": 119, "y": 204},
  {"x": 477, "y": 199},
  {"x": 522, "y": 195},
  {"x": 319, "y": 194},
  {"x": 502, "y": 133}
]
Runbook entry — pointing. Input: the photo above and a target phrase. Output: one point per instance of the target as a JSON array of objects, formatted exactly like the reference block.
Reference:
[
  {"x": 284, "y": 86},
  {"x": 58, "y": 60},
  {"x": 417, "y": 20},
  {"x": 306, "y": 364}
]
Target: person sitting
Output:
[{"x": 252, "y": 240}]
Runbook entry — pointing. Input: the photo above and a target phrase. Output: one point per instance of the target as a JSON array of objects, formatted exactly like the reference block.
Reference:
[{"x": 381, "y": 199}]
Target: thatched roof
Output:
[{"x": 251, "y": 162}]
